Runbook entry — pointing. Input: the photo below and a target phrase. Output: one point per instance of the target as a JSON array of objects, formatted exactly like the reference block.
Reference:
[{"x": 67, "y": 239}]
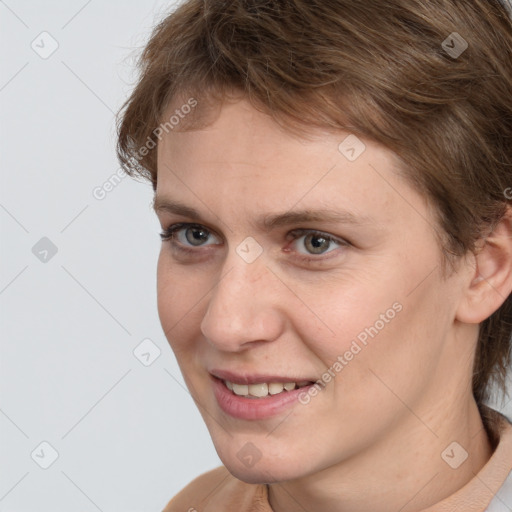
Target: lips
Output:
[
  {"x": 252, "y": 378},
  {"x": 255, "y": 407}
]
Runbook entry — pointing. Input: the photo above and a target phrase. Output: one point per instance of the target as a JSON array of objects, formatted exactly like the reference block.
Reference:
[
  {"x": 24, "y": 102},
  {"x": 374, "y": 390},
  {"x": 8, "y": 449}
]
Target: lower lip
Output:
[{"x": 254, "y": 408}]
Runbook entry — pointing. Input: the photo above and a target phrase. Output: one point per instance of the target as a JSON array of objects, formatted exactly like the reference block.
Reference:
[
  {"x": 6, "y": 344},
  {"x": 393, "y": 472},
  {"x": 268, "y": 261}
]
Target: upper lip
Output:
[{"x": 253, "y": 378}]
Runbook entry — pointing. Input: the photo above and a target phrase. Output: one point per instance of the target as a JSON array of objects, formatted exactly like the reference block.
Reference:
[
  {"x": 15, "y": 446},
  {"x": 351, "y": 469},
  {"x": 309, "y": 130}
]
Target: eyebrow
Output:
[{"x": 271, "y": 221}]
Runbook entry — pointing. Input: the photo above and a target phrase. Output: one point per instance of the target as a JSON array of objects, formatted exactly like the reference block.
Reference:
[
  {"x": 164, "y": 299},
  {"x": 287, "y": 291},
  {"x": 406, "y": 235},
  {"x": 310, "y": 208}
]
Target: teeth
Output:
[
  {"x": 263, "y": 389},
  {"x": 258, "y": 390},
  {"x": 240, "y": 389},
  {"x": 275, "y": 387}
]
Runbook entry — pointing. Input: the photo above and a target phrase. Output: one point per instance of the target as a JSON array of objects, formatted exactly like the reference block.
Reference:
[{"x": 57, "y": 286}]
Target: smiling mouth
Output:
[
  {"x": 264, "y": 389},
  {"x": 256, "y": 397}
]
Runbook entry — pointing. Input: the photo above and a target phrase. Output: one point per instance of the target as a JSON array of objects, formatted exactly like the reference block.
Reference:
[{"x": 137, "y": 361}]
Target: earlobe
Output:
[{"x": 490, "y": 281}]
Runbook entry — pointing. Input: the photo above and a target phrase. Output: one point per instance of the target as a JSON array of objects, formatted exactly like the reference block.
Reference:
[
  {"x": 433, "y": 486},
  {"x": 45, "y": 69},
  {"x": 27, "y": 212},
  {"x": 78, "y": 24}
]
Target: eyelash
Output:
[{"x": 169, "y": 235}]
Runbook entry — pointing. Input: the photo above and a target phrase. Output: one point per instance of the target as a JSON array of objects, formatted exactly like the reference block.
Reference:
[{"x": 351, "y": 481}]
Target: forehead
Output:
[{"x": 244, "y": 157}]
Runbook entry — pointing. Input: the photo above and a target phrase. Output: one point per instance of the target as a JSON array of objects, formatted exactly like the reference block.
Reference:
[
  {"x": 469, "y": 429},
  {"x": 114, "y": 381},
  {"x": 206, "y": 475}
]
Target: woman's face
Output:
[{"x": 304, "y": 261}]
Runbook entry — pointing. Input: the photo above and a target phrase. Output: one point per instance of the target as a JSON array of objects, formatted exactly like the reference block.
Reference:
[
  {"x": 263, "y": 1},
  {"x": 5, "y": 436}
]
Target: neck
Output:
[{"x": 405, "y": 471}]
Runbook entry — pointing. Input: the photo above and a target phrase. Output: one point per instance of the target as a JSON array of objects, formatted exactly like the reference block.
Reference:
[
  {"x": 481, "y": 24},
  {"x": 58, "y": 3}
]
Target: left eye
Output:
[{"x": 315, "y": 243}]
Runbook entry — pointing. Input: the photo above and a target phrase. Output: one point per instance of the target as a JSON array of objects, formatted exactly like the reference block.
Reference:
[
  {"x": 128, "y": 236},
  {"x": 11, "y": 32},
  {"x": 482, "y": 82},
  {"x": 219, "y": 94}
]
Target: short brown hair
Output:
[{"x": 379, "y": 69}]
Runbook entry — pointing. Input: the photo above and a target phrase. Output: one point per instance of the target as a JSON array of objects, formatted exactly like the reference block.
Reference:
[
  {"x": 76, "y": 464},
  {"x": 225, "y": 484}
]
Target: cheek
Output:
[
  {"x": 397, "y": 355},
  {"x": 351, "y": 311},
  {"x": 176, "y": 298},
  {"x": 377, "y": 324},
  {"x": 165, "y": 293}
]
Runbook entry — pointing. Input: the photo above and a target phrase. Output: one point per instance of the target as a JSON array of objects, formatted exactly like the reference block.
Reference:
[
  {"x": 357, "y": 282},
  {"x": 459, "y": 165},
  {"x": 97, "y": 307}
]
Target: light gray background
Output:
[{"x": 128, "y": 436}]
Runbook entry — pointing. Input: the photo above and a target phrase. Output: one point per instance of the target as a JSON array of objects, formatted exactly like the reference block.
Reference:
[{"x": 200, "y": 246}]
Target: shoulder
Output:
[
  {"x": 197, "y": 490},
  {"x": 503, "y": 497},
  {"x": 217, "y": 490}
]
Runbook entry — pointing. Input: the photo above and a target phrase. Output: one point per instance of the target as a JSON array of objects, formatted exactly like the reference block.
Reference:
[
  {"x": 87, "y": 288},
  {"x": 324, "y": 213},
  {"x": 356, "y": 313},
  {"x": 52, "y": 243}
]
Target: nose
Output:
[{"x": 244, "y": 307}]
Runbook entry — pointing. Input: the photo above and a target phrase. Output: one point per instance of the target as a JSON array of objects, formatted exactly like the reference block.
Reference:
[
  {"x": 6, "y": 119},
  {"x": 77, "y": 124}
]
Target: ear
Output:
[{"x": 490, "y": 280}]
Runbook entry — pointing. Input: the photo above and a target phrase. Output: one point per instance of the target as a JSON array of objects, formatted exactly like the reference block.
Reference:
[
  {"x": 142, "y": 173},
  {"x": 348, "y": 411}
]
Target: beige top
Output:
[{"x": 219, "y": 491}]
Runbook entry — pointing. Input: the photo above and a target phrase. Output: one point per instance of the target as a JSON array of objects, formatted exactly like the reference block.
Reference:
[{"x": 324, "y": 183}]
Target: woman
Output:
[{"x": 333, "y": 184}]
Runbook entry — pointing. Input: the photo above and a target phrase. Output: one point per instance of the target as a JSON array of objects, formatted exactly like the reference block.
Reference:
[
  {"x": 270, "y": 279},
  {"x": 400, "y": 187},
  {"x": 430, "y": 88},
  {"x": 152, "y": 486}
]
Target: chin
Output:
[
  {"x": 264, "y": 471},
  {"x": 260, "y": 475}
]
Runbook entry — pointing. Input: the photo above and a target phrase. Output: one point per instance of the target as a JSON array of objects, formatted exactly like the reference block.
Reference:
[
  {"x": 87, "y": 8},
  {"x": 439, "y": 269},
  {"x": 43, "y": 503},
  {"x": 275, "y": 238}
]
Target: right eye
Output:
[{"x": 184, "y": 236}]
